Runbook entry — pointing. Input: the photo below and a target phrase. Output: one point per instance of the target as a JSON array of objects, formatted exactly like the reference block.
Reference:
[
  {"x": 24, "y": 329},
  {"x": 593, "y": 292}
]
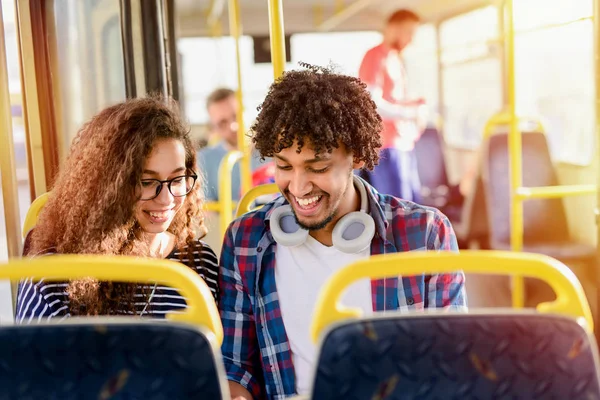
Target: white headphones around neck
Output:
[{"x": 352, "y": 233}]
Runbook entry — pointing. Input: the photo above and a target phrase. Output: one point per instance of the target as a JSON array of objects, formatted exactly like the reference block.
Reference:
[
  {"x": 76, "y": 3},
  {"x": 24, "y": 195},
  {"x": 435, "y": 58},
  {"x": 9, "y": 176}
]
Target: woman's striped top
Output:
[{"x": 40, "y": 300}]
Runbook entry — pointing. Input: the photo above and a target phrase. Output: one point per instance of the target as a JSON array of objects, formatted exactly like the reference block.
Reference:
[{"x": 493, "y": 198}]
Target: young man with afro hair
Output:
[{"x": 319, "y": 126}]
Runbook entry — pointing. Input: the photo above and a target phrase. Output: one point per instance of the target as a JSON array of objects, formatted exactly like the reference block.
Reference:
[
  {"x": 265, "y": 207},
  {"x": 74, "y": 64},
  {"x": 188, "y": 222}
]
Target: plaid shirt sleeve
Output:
[
  {"x": 444, "y": 290},
  {"x": 241, "y": 354}
]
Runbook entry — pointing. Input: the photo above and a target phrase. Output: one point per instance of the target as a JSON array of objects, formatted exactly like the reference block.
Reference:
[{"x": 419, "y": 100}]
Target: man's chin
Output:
[{"x": 313, "y": 224}]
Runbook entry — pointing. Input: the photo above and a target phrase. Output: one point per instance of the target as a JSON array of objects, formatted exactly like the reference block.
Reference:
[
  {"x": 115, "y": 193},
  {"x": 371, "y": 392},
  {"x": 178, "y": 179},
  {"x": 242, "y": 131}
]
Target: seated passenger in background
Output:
[
  {"x": 319, "y": 126},
  {"x": 128, "y": 187},
  {"x": 222, "y": 107}
]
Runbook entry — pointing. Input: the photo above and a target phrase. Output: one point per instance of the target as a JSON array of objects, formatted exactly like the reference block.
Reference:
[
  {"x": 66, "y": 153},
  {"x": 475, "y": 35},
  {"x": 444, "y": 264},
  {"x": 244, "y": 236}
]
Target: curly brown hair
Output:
[
  {"x": 91, "y": 208},
  {"x": 322, "y": 107}
]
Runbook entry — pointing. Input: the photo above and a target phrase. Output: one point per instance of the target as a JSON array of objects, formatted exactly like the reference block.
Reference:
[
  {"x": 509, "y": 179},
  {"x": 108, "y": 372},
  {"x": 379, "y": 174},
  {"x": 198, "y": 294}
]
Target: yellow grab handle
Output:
[
  {"x": 201, "y": 307},
  {"x": 505, "y": 118},
  {"x": 253, "y": 194},
  {"x": 225, "y": 177},
  {"x": 570, "y": 298},
  {"x": 33, "y": 213}
]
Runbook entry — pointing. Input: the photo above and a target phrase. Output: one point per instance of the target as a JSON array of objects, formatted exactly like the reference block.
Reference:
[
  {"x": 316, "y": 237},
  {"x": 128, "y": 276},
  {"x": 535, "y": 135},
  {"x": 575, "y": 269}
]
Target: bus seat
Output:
[
  {"x": 33, "y": 213},
  {"x": 467, "y": 214},
  {"x": 436, "y": 190},
  {"x": 546, "y": 229},
  {"x": 473, "y": 224},
  {"x": 484, "y": 356},
  {"x": 112, "y": 359},
  {"x": 517, "y": 354},
  {"x": 115, "y": 357}
]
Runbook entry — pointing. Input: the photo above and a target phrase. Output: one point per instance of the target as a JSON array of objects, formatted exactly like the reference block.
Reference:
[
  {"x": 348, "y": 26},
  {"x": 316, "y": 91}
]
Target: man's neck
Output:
[
  {"x": 389, "y": 46},
  {"x": 229, "y": 146},
  {"x": 325, "y": 235}
]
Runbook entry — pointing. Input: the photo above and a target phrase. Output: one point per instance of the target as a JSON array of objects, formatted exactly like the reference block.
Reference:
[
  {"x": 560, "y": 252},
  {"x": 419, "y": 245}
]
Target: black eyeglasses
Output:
[{"x": 178, "y": 186}]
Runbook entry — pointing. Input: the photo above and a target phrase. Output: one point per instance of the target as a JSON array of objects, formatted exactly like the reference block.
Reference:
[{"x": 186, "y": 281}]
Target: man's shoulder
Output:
[
  {"x": 419, "y": 227},
  {"x": 375, "y": 51},
  {"x": 214, "y": 151},
  {"x": 402, "y": 211}
]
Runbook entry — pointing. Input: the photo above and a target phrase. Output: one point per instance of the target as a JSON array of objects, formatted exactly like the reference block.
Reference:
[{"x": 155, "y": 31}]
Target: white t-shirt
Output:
[{"x": 300, "y": 274}]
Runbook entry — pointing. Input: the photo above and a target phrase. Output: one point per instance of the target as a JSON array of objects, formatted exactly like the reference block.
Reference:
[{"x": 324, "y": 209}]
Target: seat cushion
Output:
[
  {"x": 529, "y": 356},
  {"x": 116, "y": 361}
]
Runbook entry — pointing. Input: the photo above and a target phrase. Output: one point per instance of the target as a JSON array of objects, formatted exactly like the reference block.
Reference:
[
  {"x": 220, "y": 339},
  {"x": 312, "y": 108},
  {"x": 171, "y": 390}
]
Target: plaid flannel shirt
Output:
[{"x": 256, "y": 351}]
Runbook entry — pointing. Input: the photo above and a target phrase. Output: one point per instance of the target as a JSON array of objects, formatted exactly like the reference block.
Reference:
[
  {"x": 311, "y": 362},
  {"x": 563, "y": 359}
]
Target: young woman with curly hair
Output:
[{"x": 128, "y": 187}]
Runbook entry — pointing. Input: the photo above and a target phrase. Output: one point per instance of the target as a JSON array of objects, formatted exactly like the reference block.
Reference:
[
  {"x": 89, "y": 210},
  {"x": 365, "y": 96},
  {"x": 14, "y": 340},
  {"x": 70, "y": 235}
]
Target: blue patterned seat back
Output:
[
  {"x": 431, "y": 161},
  {"x": 108, "y": 361},
  {"x": 545, "y": 220},
  {"x": 502, "y": 356},
  {"x": 546, "y": 228}
]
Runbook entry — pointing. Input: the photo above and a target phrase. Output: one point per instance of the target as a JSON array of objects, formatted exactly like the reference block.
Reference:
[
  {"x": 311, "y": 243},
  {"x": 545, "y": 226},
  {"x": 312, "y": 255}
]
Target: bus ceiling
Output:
[{"x": 313, "y": 16}]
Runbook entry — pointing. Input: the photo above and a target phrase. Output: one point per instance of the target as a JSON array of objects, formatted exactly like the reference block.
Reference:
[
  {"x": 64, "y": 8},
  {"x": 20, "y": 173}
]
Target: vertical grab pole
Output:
[
  {"x": 277, "y": 34},
  {"x": 235, "y": 30},
  {"x": 7, "y": 156},
  {"x": 515, "y": 156},
  {"x": 597, "y": 110}
]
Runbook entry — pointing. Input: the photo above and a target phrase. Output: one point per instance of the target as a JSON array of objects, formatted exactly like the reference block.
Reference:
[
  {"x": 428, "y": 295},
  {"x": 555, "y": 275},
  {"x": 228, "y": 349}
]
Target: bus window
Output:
[
  {"x": 421, "y": 66},
  {"x": 89, "y": 57},
  {"x": 324, "y": 48},
  {"x": 208, "y": 63},
  {"x": 20, "y": 149},
  {"x": 554, "y": 63},
  {"x": 18, "y": 124},
  {"x": 471, "y": 75}
]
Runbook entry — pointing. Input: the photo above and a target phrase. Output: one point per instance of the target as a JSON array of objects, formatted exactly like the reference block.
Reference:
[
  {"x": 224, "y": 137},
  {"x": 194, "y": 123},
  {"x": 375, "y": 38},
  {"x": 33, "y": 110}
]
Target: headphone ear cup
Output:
[
  {"x": 354, "y": 232},
  {"x": 285, "y": 229}
]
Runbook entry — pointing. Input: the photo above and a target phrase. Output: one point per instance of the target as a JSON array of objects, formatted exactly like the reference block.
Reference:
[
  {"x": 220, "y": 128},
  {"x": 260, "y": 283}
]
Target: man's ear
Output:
[{"x": 358, "y": 164}]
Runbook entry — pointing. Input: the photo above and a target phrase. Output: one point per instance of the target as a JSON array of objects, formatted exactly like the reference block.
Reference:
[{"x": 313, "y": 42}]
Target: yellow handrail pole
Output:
[
  {"x": 33, "y": 214},
  {"x": 7, "y": 156},
  {"x": 351, "y": 10},
  {"x": 277, "y": 35},
  {"x": 555, "y": 192},
  {"x": 29, "y": 92},
  {"x": 201, "y": 309},
  {"x": 318, "y": 13},
  {"x": 504, "y": 118},
  {"x": 213, "y": 15},
  {"x": 254, "y": 193},
  {"x": 515, "y": 159},
  {"x": 215, "y": 206},
  {"x": 225, "y": 201},
  {"x": 596, "y": 21},
  {"x": 570, "y": 297},
  {"x": 235, "y": 30}
]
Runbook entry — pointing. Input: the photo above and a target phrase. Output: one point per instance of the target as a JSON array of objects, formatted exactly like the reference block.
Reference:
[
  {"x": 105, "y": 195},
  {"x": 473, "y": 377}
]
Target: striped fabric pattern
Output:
[{"x": 40, "y": 300}]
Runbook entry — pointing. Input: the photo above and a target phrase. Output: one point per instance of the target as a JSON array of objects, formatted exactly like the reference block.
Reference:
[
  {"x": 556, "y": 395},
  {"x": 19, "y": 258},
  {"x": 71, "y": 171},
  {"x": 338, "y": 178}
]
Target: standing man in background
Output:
[{"x": 383, "y": 71}]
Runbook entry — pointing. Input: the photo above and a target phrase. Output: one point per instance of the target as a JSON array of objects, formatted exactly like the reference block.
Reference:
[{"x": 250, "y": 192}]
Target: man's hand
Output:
[
  {"x": 238, "y": 392},
  {"x": 412, "y": 102}
]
